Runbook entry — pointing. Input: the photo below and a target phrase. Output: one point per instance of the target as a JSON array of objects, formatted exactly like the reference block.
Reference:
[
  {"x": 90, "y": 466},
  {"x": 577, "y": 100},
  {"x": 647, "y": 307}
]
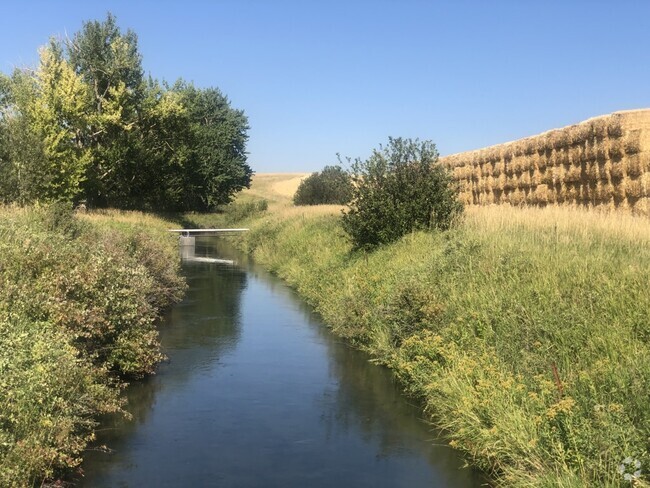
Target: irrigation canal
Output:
[{"x": 258, "y": 393}]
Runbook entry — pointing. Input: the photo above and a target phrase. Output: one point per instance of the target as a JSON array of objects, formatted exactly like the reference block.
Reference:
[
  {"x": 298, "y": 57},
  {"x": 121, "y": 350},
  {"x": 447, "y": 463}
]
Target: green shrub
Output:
[
  {"x": 78, "y": 303},
  {"x": 333, "y": 186},
  {"x": 398, "y": 190},
  {"x": 48, "y": 400}
]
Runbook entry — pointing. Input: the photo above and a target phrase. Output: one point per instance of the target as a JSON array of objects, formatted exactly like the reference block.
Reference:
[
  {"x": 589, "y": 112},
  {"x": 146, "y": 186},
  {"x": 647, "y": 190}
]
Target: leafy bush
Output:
[
  {"x": 398, "y": 190},
  {"x": 48, "y": 398},
  {"x": 78, "y": 305},
  {"x": 333, "y": 185}
]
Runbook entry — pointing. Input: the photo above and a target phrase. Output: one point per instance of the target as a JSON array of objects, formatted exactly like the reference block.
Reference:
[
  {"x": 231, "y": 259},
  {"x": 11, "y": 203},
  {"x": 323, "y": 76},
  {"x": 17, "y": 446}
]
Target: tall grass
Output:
[{"x": 524, "y": 331}]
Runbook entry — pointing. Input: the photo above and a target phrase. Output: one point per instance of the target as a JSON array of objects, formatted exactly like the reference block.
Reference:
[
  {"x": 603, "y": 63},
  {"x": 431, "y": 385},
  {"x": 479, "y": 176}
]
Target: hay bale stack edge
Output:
[{"x": 601, "y": 162}]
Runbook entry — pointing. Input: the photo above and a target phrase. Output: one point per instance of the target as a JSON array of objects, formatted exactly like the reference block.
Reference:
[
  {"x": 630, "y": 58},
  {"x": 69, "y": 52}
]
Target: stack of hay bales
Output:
[{"x": 602, "y": 162}]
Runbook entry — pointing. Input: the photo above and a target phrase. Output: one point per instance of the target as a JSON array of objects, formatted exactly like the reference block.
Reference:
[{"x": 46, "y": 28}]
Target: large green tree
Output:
[
  {"x": 43, "y": 119},
  {"x": 111, "y": 66},
  {"x": 217, "y": 166},
  {"x": 86, "y": 124}
]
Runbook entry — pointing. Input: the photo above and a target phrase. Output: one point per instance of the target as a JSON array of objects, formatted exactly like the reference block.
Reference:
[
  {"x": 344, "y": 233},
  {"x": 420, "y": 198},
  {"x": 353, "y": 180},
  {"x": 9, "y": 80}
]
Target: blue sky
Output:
[{"x": 318, "y": 78}]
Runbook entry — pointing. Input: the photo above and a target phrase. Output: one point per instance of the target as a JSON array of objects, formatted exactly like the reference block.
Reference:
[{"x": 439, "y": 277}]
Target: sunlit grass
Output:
[{"x": 524, "y": 330}]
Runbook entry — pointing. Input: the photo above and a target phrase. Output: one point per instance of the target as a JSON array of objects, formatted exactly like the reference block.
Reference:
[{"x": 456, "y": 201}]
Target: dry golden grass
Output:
[
  {"x": 278, "y": 189},
  {"x": 274, "y": 187},
  {"x": 571, "y": 222}
]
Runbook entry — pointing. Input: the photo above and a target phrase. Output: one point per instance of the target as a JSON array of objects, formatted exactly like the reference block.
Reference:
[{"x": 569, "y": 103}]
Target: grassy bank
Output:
[
  {"x": 79, "y": 298},
  {"x": 524, "y": 331}
]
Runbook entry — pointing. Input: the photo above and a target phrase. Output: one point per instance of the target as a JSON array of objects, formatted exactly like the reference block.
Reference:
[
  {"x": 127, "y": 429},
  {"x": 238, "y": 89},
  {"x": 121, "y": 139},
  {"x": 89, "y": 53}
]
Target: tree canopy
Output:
[
  {"x": 86, "y": 124},
  {"x": 333, "y": 185}
]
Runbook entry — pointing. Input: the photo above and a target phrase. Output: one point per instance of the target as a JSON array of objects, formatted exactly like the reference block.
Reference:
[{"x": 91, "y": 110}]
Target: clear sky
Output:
[{"x": 318, "y": 78}]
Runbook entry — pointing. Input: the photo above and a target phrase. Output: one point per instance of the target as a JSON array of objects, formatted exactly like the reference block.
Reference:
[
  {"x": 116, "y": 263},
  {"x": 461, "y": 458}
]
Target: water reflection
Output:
[{"x": 257, "y": 392}]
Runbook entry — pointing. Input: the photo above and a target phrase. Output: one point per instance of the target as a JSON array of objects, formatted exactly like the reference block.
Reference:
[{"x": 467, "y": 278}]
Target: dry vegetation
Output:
[{"x": 602, "y": 162}]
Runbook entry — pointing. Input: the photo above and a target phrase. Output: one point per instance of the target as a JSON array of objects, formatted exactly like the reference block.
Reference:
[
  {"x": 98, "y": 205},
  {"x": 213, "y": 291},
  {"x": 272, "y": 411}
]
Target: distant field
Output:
[{"x": 276, "y": 187}]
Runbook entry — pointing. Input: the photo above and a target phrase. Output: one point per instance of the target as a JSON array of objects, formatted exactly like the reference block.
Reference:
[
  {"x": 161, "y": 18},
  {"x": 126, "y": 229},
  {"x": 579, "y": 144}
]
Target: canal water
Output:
[{"x": 258, "y": 393}]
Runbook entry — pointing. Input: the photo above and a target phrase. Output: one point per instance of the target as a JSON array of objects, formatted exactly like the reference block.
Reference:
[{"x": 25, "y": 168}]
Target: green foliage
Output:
[
  {"x": 78, "y": 305},
  {"x": 331, "y": 186},
  {"x": 86, "y": 125},
  {"x": 526, "y": 343},
  {"x": 216, "y": 167},
  {"x": 398, "y": 190}
]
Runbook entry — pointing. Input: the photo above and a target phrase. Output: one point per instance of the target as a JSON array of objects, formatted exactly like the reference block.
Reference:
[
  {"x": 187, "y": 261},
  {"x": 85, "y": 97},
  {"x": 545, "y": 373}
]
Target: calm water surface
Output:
[{"x": 258, "y": 393}]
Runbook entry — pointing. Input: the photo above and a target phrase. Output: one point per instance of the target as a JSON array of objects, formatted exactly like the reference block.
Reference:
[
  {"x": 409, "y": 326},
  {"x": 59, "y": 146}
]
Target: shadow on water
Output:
[{"x": 257, "y": 392}]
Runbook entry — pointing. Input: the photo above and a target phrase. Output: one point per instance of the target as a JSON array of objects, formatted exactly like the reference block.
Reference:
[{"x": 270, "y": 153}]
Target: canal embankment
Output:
[
  {"x": 523, "y": 331},
  {"x": 79, "y": 299}
]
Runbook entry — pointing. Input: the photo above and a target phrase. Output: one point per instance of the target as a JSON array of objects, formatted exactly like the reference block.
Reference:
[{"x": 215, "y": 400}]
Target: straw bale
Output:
[
  {"x": 576, "y": 155},
  {"x": 579, "y": 134},
  {"x": 507, "y": 154},
  {"x": 634, "y": 188},
  {"x": 634, "y": 165},
  {"x": 615, "y": 149},
  {"x": 465, "y": 185},
  {"x": 561, "y": 139},
  {"x": 482, "y": 184},
  {"x": 520, "y": 164},
  {"x": 601, "y": 152},
  {"x": 525, "y": 180},
  {"x": 587, "y": 192},
  {"x": 529, "y": 147},
  {"x": 542, "y": 194},
  {"x": 542, "y": 144},
  {"x": 518, "y": 148},
  {"x": 535, "y": 177},
  {"x": 510, "y": 183},
  {"x": 599, "y": 127},
  {"x": 591, "y": 169},
  {"x": 619, "y": 192},
  {"x": 542, "y": 161},
  {"x": 465, "y": 198},
  {"x": 516, "y": 197},
  {"x": 563, "y": 156},
  {"x": 572, "y": 174},
  {"x": 617, "y": 170},
  {"x": 633, "y": 142},
  {"x": 572, "y": 193},
  {"x": 458, "y": 173},
  {"x": 645, "y": 182},
  {"x": 558, "y": 173},
  {"x": 589, "y": 154},
  {"x": 500, "y": 182},
  {"x": 497, "y": 168},
  {"x": 605, "y": 170},
  {"x": 601, "y": 192},
  {"x": 547, "y": 176},
  {"x": 642, "y": 206},
  {"x": 614, "y": 128},
  {"x": 486, "y": 169}
]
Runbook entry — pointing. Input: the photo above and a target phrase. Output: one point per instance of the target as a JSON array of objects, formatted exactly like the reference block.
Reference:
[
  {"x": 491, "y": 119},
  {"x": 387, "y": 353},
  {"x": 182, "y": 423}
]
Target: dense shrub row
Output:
[{"x": 78, "y": 304}]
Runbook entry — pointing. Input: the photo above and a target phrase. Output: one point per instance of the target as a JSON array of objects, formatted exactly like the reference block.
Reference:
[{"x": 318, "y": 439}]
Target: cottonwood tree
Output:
[
  {"x": 86, "y": 124},
  {"x": 43, "y": 120}
]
